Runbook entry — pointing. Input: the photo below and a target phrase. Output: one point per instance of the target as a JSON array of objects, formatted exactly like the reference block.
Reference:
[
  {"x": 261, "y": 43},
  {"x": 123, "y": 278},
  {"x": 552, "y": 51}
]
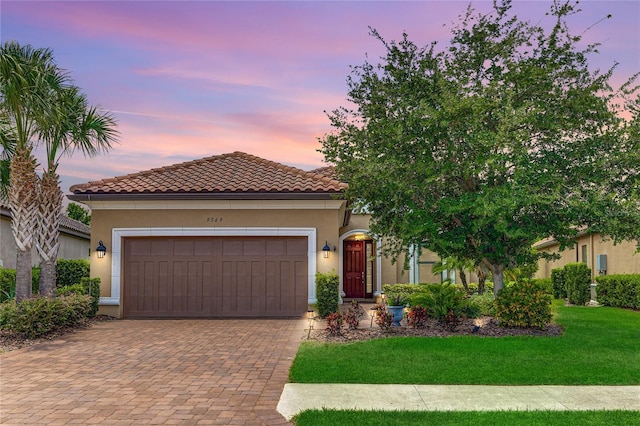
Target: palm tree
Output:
[
  {"x": 452, "y": 263},
  {"x": 7, "y": 143},
  {"x": 28, "y": 77},
  {"x": 71, "y": 125}
]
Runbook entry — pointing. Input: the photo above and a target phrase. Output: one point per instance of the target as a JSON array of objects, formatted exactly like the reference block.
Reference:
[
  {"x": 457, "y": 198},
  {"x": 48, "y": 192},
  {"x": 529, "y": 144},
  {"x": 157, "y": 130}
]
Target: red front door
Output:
[{"x": 353, "y": 272}]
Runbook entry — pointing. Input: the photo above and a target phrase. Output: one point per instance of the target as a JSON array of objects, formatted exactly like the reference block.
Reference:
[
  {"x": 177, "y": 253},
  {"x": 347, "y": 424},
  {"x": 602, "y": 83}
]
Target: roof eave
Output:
[{"x": 208, "y": 196}]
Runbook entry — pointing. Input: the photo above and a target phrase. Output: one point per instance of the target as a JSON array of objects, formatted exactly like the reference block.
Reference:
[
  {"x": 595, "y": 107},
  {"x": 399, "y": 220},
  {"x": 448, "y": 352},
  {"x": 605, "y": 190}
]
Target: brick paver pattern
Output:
[{"x": 127, "y": 372}]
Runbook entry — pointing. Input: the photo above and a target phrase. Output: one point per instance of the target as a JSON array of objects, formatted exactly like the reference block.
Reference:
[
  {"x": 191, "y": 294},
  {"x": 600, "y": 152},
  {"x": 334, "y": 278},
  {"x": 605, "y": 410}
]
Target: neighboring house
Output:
[
  {"x": 74, "y": 240},
  {"x": 601, "y": 256},
  {"x": 229, "y": 235}
]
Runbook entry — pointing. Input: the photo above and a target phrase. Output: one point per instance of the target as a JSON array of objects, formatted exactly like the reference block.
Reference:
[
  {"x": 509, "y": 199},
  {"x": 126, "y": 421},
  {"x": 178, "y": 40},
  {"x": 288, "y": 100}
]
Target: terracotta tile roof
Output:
[
  {"x": 328, "y": 171},
  {"x": 74, "y": 225},
  {"x": 67, "y": 224},
  {"x": 236, "y": 172}
]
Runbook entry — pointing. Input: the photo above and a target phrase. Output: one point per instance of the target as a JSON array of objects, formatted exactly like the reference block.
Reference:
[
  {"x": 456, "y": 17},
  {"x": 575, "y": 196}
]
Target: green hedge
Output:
[
  {"x": 39, "y": 316},
  {"x": 473, "y": 287},
  {"x": 69, "y": 272},
  {"x": 557, "y": 281},
  {"x": 620, "y": 291},
  {"x": 327, "y": 293},
  {"x": 8, "y": 283},
  {"x": 577, "y": 282}
]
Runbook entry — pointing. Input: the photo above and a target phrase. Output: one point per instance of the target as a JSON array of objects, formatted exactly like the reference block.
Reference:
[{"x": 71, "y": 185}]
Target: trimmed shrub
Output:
[
  {"x": 327, "y": 293},
  {"x": 353, "y": 315},
  {"x": 524, "y": 304},
  {"x": 71, "y": 289},
  {"x": 7, "y": 284},
  {"x": 441, "y": 299},
  {"x": 334, "y": 323},
  {"x": 92, "y": 288},
  {"x": 86, "y": 286},
  {"x": 401, "y": 293},
  {"x": 484, "y": 303},
  {"x": 417, "y": 317},
  {"x": 544, "y": 283},
  {"x": 577, "y": 282},
  {"x": 619, "y": 291},
  {"x": 39, "y": 316},
  {"x": 69, "y": 272},
  {"x": 383, "y": 317},
  {"x": 557, "y": 281},
  {"x": 35, "y": 280},
  {"x": 473, "y": 287}
]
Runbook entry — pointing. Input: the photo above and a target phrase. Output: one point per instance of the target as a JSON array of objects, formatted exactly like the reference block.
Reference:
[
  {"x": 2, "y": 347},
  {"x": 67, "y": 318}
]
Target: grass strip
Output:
[
  {"x": 475, "y": 418},
  {"x": 601, "y": 346}
]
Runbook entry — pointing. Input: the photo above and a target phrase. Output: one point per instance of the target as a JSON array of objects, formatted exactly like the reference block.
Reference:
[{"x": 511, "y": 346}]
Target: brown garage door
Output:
[{"x": 215, "y": 276}]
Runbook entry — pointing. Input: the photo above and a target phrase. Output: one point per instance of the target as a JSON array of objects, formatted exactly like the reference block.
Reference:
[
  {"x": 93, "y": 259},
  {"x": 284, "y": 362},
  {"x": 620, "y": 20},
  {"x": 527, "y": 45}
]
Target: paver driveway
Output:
[{"x": 153, "y": 372}]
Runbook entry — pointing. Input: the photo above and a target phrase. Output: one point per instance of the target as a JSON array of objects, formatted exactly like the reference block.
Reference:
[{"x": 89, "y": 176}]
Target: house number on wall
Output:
[{"x": 214, "y": 219}]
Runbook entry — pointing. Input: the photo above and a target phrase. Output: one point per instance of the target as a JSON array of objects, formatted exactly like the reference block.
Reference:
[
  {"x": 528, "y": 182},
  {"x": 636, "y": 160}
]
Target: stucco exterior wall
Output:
[
  {"x": 324, "y": 216},
  {"x": 7, "y": 244},
  {"x": 621, "y": 258},
  {"x": 71, "y": 246}
]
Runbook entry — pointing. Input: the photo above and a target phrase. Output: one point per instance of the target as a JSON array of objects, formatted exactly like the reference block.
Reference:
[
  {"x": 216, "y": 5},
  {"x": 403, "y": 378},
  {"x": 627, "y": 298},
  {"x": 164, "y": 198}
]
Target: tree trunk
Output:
[
  {"x": 23, "y": 190},
  {"x": 463, "y": 279},
  {"x": 498, "y": 279},
  {"x": 482, "y": 277},
  {"x": 49, "y": 209},
  {"x": 23, "y": 275}
]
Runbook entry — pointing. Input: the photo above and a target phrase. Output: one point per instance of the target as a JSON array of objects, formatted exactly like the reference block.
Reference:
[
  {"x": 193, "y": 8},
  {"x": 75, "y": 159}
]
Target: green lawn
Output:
[
  {"x": 601, "y": 346},
  {"x": 476, "y": 418}
]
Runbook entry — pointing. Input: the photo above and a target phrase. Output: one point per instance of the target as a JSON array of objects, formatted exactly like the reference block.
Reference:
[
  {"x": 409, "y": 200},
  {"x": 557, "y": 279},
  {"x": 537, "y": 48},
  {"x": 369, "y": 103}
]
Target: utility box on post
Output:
[{"x": 601, "y": 264}]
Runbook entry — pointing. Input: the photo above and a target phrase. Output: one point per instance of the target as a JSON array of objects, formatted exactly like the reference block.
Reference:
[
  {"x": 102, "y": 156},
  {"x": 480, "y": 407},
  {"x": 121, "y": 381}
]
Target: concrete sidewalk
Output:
[{"x": 297, "y": 397}]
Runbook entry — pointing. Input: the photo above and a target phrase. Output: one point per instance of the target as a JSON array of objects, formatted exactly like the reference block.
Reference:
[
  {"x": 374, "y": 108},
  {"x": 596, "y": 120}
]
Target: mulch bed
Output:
[
  {"x": 489, "y": 328},
  {"x": 11, "y": 341}
]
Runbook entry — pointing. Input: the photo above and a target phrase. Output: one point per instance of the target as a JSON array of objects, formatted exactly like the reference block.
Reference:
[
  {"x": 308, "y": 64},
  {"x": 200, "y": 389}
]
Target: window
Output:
[{"x": 584, "y": 253}]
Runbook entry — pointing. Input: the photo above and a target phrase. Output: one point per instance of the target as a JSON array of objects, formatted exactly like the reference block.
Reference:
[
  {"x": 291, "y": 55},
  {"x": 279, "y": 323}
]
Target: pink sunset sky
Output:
[{"x": 191, "y": 79}]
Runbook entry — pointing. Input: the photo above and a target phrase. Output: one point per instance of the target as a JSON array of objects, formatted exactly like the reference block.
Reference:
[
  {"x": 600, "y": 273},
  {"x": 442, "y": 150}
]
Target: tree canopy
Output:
[
  {"x": 79, "y": 213},
  {"x": 482, "y": 147}
]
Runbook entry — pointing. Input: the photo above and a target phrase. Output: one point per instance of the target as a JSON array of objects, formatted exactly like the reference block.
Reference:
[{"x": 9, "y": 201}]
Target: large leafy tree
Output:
[
  {"x": 479, "y": 149},
  {"x": 79, "y": 213},
  {"x": 71, "y": 125}
]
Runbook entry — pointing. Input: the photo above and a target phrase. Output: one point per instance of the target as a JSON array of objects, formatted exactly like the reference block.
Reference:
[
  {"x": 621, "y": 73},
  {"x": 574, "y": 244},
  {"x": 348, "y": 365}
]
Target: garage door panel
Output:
[
  {"x": 296, "y": 247},
  {"x": 232, "y": 247},
  {"x": 183, "y": 247},
  {"x": 276, "y": 247},
  {"x": 139, "y": 247},
  {"x": 160, "y": 247},
  {"x": 194, "y": 288},
  {"x": 214, "y": 276}
]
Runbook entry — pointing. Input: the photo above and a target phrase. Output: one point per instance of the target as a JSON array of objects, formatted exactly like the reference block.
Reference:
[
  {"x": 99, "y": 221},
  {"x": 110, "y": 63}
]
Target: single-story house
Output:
[
  {"x": 600, "y": 255},
  {"x": 74, "y": 240},
  {"x": 230, "y": 235}
]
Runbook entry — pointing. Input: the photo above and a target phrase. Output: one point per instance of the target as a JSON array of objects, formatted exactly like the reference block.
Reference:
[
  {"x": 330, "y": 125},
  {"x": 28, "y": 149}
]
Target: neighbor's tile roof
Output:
[
  {"x": 236, "y": 172},
  {"x": 74, "y": 225},
  {"x": 66, "y": 223}
]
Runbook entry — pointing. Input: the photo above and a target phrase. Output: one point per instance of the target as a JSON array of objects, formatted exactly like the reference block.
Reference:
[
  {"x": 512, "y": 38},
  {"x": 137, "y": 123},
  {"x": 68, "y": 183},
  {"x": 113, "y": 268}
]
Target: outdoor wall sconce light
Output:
[
  {"x": 101, "y": 250},
  {"x": 326, "y": 250}
]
